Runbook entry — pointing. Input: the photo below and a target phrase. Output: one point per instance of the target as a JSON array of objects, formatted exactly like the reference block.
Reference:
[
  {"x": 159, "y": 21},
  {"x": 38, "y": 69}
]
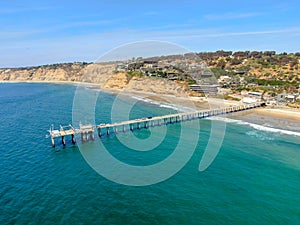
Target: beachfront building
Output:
[
  {"x": 255, "y": 95},
  {"x": 271, "y": 102},
  {"x": 290, "y": 98},
  {"x": 207, "y": 89},
  {"x": 251, "y": 97},
  {"x": 247, "y": 100}
]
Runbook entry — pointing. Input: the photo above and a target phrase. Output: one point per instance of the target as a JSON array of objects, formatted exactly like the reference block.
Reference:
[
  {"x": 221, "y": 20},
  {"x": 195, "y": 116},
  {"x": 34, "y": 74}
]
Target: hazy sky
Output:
[{"x": 52, "y": 31}]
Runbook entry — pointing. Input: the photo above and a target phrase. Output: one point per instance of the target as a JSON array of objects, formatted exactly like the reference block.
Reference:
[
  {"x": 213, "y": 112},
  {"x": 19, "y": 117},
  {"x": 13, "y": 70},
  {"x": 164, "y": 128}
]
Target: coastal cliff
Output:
[
  {"x": 102, "y": 75},
  {"x": 79, "y": 72}
]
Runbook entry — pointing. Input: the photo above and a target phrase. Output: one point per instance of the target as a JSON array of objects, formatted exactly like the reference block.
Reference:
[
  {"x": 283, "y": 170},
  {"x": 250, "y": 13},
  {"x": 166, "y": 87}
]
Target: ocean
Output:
[{"x": 254, "y": 178}]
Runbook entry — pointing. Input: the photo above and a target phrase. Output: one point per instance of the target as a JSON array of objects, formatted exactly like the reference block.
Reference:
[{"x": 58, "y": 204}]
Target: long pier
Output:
[{"x": 87, "y": 132}]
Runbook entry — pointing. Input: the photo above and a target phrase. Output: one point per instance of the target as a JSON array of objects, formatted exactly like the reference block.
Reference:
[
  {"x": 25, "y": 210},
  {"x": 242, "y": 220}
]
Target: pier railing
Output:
[{"x": 87, "y": 132}]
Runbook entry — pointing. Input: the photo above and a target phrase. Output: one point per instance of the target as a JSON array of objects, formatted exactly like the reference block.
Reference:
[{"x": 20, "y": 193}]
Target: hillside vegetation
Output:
[{"x": 254, "y": 70}]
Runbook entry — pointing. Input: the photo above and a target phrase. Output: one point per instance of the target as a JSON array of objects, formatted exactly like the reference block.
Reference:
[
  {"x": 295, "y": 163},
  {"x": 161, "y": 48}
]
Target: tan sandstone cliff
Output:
[{"x": 100, "y": 74}]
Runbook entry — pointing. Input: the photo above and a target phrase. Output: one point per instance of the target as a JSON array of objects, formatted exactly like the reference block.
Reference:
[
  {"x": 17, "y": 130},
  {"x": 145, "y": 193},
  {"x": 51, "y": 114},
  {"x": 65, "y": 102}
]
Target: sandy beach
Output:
[
  {"x": 286, "y": 119},
  {"x": 282, "y": 118},
  {"x": 287, "y": 114}
]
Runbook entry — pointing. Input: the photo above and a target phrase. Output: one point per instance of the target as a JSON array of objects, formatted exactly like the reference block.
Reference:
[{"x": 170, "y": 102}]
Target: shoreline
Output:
[
  {"x": 53, "y": 82},
  {"x": 279, "y": 117},
  {"x": 271, "y": 118},
  {"x": 274, "y": 113}
]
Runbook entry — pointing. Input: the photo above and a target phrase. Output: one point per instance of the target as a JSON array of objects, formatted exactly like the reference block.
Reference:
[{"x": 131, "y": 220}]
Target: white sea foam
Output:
[
  {"x": 224, "y": 119},
  {"x": 256, "y": 126},
  {"x": 261, "y": 135},
  {"x": 164, "y": 105}
]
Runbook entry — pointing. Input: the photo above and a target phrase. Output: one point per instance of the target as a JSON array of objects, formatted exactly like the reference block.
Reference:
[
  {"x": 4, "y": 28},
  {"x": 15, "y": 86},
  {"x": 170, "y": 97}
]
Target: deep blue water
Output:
[{"x": 253, "y": 180}]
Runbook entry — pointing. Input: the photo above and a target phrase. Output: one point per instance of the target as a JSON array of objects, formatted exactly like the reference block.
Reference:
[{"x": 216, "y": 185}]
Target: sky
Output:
[{"x": 56, "y": 31}]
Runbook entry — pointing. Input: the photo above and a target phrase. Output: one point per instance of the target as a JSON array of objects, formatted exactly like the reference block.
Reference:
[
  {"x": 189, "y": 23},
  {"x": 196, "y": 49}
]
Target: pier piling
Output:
[
  {"x": 53, "y": 142},
  {"x": 63, "y": 141},
  {"x": 73, "y": 139},
  {"x": 92, "y": 136}
]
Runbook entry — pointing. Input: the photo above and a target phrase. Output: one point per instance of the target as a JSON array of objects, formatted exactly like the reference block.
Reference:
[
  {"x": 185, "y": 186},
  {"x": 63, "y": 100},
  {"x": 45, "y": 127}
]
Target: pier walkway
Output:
[{"x": 87, "y": 131}]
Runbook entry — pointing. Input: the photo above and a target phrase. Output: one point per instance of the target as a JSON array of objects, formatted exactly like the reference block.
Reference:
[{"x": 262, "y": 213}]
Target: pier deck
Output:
[{"x": 87, "y": 131}]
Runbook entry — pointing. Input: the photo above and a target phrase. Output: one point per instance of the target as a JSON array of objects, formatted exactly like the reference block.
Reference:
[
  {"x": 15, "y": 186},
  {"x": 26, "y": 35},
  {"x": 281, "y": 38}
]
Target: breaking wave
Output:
[
  {"x": 257, "y": 126},
  {"x": 164, "y": 105}
]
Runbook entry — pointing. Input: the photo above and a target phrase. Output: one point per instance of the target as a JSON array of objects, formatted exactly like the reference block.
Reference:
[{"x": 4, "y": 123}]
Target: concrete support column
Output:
[
  {"x": 73, "y": 139},
  {"x": 53, "y": 142},
  {"x": 92, "y": 136},
  {"x": 63, "y": 140},
  {"x": 84, "y": 137}
]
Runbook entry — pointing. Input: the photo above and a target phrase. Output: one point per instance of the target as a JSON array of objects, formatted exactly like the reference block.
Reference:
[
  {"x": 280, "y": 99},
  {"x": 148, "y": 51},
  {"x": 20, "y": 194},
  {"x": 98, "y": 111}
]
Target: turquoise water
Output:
[{"x": 253, "y": 180}]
